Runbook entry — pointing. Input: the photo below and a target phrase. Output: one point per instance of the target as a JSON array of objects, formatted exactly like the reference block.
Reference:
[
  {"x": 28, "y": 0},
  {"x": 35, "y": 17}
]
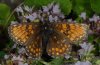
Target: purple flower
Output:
[
  {"x": 19, "y": 9},
  {"x": 56, "y": 9},
  {"x": 28, "y": 9},
  {"x": 83, "y": 63},
  {"x": 83, "y": 15}
]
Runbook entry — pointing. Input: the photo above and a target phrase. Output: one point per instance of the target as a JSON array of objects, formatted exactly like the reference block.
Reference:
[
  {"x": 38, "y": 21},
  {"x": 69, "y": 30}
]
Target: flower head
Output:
[
  {"x": 28, "y": 9},
  {"x": 86, "y": 48},
  {"x": 32, "y": 17},
  {"x": 83, "y": 15},
  {"x": 19, "y": 9},
  {"x": 95, "y": 18},
  {"x": 83, "y": 63},
  {"x": 45, "y": 9},
  {"x": 56, "y": 9},
  {"x": 6, "y": 56}
]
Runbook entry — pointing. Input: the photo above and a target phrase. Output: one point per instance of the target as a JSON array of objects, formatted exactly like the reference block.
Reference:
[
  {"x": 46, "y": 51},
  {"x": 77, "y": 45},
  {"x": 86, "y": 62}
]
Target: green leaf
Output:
[
  {"x": 2, "y": 53},
  {"x": 36, "y": 62},
  {"x": 5, "y": 15},
  {"x": 98, "y": 62},
  {"x": 88, "y": 8},
  {"x": 2, "y": 22},
  {"x": 90, "y": 38},
  {"x": 4, "y": 11},
  {"x": 80, "y": 6},
  {"x": 95, "y": 5},
  {"x": 57, "y": 61},
  {"x": 65, "y": 6},
  {"x": 37, "y": 3}
]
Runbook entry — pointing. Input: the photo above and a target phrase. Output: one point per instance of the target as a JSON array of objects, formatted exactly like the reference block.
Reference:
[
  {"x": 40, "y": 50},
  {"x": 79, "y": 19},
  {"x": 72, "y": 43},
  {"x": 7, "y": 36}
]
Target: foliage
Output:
[
  {"x": 58, "y": 61},
  {"x": 95, "y": 5},
  {"x": 64, "y": 4},
  {"x": 4, "y": 11},
  {"x": 2, "y": 53},
  {"x": 5, "y": 15},
  {"x": 37, "y": 3}
]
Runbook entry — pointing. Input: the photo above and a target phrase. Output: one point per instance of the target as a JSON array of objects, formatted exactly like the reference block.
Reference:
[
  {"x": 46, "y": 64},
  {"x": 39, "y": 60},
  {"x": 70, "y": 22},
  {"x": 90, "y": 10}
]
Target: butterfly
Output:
[{"x": 54, "y": 38}]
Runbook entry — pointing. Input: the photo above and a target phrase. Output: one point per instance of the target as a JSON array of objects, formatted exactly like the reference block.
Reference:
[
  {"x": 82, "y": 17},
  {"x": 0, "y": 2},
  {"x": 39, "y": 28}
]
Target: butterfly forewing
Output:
[
  {"x": 21, "y": 32},
  {"x": 58, "y": 45},
  {"x": 73, "y": 31}
]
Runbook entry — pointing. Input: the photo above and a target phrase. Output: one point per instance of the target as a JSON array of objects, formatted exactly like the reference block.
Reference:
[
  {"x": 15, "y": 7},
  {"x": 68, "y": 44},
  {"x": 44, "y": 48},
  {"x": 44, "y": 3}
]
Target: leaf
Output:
[
  {"x": 65, "y": 6},
  {"x": 95, "y": 5},
  {"x": 80, "y": 6},
  {"x": 37, "y": 3},
  {"x": 57, "y": 61},
  {"x": 5, "y": 15},
  {"x": 98, "y": 62},
  {"x": 2, "y": 53},
  {"x": 4, "y": 11},
  {"x": 2, "y": 22},
  {"x": 88, "y": 8},
  {"x": 90, "y": 38}
]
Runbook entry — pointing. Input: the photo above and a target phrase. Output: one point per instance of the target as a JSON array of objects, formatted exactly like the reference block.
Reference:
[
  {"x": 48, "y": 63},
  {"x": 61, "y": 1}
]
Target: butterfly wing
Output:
[
  {"x": 21, "y": 32},
  {"x": 34, "y": 48},
  {"x": 73, "y": 31},
  {"x": 58, "y": 45},
  {"x": 27, "y": 34},
  {"x": 65, "y": 33}
]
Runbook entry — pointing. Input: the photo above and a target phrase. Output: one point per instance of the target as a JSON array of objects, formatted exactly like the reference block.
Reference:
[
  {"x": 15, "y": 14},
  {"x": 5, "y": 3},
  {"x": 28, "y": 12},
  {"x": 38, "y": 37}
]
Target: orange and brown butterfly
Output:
[{"x": 29, "y": 35}]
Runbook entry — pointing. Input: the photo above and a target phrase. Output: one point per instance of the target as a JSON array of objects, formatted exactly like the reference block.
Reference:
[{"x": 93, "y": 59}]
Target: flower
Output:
[
  {"x": 6, "y": 56},
  {"x": 19, "y": 9},
  {"x": 91, "y": 19},
  {"x": 51, "y": 19},
  {"x": 32, "y": 17},
  {"x": 83, "y": 15},
  {"x": 28, "y": 9},
  {"x": 26, "y": 64},
  {"x": 21, "y": 50},
  {"x": 14, "y": 46},
  {"x": 70, "y": 20},
  {"x": 61, "y": 15},
  {"x": 81, "y": 52},
  {"x": 20, "y": 63},
  {"x": 87, "y": 46},
  {"x": 95, "y": 18},
  {"x": 18, "y": 58},
  {"x": 50, "y": 5},
  {"x": 56, "y": 9},
  {"x": 45, "y": 9},
  {"x": 67, "y": 56},
  {"x": 83, "y": 63},
  {"x": 86, "y": 49},
  {"x": 13, "y": 22},
  {"x": 56, "y": 18},
  {"x": 14, "y": 58}
]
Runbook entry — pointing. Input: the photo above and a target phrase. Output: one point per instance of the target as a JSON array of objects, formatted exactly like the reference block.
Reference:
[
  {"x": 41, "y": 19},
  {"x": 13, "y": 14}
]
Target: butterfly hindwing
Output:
[
  {"x": 73, "y": 31},
  {"x": 21, "y": 32},
  {"x": 34, "y": 48},
  {"x": 58, "y": 45}
]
